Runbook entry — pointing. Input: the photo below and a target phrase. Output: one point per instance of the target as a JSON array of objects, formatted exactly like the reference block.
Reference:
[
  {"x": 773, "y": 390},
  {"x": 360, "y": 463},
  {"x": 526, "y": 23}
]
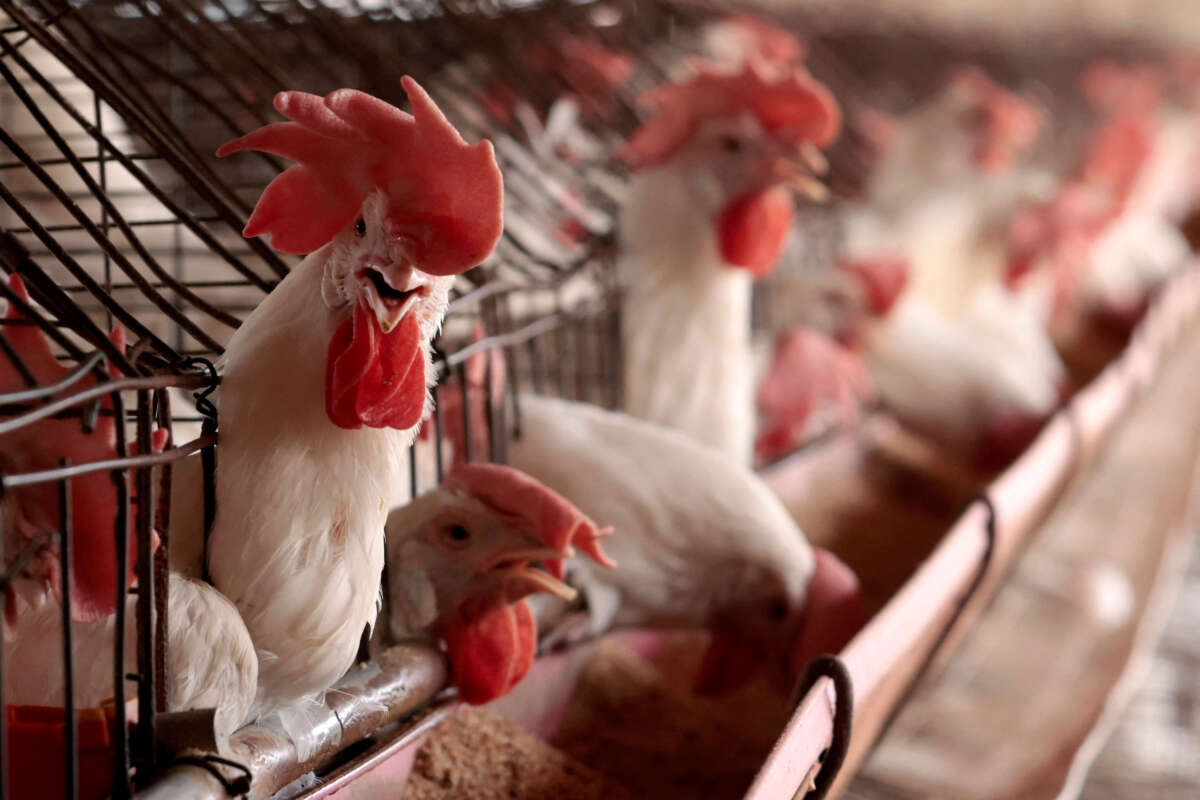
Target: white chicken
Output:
[
  {"x": 325, "y": 383},
  {"x": 979, "y": 385},
  {"x": 946, "y": 185},
  {"x": 702, "y": 542},
  {"x": 211, "y": 661},
  {"x": 459, "y": 569},
  {"x": 959, "y": 357},
  {"x": 1109, "y": 237},
  {"x": 709, "y": 209}
]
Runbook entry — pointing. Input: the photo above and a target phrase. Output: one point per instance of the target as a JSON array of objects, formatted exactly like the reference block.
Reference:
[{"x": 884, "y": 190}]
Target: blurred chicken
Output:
[
  {"x": 980, "y": 385},
  {"x": 31, "y": 512},
  {"x": 960, "y": 357},
  {"x": 808, "y": 371},
  {"x": 709, "y": 210},
  {"x": 702, "y": 542},
  {"x": 1109, "y": 236},
  {"x": 818, "y": 371},
  {"x": 459, "y": 568},
  {"x": 945, "y": 187},
  {"x": 211, "y": 661},
  {"x": 324, "y": 384}
]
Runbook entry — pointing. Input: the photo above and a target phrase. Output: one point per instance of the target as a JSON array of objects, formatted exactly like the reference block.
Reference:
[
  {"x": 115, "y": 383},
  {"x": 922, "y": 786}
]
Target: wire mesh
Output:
[{"x": 116, "y": 212}]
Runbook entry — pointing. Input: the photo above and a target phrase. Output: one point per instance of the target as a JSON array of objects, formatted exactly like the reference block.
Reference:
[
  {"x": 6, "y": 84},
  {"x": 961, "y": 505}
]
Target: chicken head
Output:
[
  {"x": 461, "y": 563},
  {"x": 402, "y": 203},
  {"x": 746, "y": 141},
  {"x": 767, "y": 627}
]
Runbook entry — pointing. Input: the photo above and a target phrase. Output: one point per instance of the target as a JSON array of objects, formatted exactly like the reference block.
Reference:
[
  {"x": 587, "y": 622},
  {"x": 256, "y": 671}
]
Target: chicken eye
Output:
[
  {"x": 456, "y": 536},
  {"x": 360, "y": 227},
  {"x": 731, "y": 144}
]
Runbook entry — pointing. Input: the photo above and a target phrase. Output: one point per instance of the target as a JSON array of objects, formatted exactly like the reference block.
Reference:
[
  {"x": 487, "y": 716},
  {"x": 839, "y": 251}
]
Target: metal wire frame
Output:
[
  {"x": 151, "y": 619},
  {"x": 166, "y": 83},
  {"x": 78, "y": 161}
]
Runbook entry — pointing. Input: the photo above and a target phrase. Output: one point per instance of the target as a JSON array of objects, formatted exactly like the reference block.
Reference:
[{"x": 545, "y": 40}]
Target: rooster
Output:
[
  {"x": 703, "y": 543},
  {"x": 458, "y": 567},
  {"x": 325, "y": 383},
  {"x": 709, "y": 209}
]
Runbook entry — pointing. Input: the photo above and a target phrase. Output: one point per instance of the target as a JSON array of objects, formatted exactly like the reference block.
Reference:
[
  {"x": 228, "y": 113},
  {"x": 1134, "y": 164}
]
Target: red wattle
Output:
[
  {"x": 491, "y": 647},
  {"x": 374, "y": 378},
  {"x": 752, "y": 230}
]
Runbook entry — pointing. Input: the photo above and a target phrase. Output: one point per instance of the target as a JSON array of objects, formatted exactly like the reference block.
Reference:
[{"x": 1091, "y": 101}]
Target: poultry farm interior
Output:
[{"x": 692, "y": 380}]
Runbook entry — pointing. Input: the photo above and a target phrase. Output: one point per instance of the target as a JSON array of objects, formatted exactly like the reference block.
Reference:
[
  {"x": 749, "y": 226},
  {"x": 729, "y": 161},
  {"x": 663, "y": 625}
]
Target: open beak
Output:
[
  {"x": 391, "y": 292},
  {"x": 799, "y": 170},
  {"x": 518, "y": 578}
]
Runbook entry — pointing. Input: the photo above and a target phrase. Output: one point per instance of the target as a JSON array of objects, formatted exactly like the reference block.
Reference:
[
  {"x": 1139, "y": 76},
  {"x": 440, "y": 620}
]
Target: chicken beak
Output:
[
  {"x": 798, "y": 171},
  {"x": 517, "y": 578},
  {"x": 391, "y": 291}
]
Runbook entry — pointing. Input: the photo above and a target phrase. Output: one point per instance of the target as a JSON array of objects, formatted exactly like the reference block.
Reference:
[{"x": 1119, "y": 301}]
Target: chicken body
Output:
[
  {"x": 685, "y": 323},
  {"x": 701, "y": 542},
  {"x": 697, "y": 532},
  {"x": 958, "y": 379},
  {"x": 326, "y": 382},
  {"x": 299, "y": 555},
  {"x": 211, "y": 661}
]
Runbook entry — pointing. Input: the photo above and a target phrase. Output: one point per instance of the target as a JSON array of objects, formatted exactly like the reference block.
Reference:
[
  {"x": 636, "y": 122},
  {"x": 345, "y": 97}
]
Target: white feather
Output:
[
  {"x": 211, "y": 661},
  {"x": 693, "y": 530},
  {"x": 948, "y": 376},
  {"x": 685, "y": 322},
  {"x": 297, "y": 543}
]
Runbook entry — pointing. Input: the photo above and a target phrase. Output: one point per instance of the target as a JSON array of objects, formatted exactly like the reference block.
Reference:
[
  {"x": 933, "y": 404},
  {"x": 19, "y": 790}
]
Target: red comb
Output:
[
  {"x": 445, "y": 196},
  {"x": 791, "y": 106},
  {"x": 41, "y": 445},
  {"x": 531, "y": 504}
]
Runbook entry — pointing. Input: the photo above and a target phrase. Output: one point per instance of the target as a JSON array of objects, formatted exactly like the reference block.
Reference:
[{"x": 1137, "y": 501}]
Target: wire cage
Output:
[{"x": 116, "y": 213}]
